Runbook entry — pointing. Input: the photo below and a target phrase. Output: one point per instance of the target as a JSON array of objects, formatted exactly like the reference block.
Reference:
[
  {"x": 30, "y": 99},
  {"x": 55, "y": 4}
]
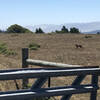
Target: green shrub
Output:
[
  {"x": 17, "y": 29},
  {"x": 34, "y": 46},
  {"x": 11, "y": 52},
  {"x": 74, "y": 30},
  {"x": 4, "y": 50}
]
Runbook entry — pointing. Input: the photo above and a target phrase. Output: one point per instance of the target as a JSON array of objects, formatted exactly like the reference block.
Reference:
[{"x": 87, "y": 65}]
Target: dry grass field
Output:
[{"x": 55, "y": 48}]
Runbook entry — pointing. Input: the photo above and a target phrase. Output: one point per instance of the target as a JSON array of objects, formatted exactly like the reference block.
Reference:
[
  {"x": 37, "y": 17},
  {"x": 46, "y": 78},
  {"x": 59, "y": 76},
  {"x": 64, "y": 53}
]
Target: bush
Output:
[
  {"x": 33, "y": 46},
  {"x": 74, "y": 30},
  {"x": 17, "y": 29},
  {"x": 63, "y": 30},
  {"x": 39, "y": 31},
  {"x": 4, "y": 50},
  {"x": 88, "y": 36}
]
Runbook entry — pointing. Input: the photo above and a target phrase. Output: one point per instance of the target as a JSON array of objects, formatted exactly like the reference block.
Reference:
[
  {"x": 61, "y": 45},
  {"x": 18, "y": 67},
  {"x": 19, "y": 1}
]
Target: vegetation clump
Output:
[
  {"x": 98, "y": 32},
  {"x": 4, "y": 50},
  {"x": 39, "y": 31},
  {"x": 17, "y": 29},
  {"x": 0, "y": 31},
  {"x": 74, "y": 30},
  {"x": 88, "y": 36},
  {"x": 34, "y": 46},
  {"x": 65, "y": 30}
]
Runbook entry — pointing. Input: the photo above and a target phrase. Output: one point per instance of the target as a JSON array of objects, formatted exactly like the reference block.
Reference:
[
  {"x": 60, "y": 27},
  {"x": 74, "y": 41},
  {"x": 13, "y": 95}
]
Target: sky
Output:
[{"x": 35, "y": 12}]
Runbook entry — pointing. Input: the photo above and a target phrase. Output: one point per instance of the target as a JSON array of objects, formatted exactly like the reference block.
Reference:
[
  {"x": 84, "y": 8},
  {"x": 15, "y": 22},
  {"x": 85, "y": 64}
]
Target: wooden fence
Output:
[{"x": 42, "y": 75}]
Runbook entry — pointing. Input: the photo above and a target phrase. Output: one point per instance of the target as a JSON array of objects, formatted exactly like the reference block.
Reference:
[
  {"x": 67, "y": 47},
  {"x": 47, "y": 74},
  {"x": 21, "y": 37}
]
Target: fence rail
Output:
[
  {"x": 59, "y": 91},
  {"x": 48, "y": 72},
  {"x": 48, "y": 64},
  {"x": 36, "y": 73},
  {"x": 42, "y": 75}
]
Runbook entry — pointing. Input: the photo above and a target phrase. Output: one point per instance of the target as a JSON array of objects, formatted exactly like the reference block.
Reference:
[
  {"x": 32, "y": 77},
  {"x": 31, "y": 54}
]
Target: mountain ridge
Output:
[{"x": 83, "y": 27}]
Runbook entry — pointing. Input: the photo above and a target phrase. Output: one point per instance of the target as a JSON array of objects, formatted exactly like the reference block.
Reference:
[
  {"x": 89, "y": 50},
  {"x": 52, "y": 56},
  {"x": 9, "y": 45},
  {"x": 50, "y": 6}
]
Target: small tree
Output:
[
  {"x": 39, "y": 31},
  {"x": 64, "y": 30},
  {"x": 74, "y": 30},
  {"x": 98, "y": 32},
  {"x": 0, "y": 31}
]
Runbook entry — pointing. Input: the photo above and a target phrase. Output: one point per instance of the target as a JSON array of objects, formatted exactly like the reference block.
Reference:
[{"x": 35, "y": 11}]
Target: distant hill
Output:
[
  {"x": 83, "y": 27},
  {"x": 93, "y": 32}
]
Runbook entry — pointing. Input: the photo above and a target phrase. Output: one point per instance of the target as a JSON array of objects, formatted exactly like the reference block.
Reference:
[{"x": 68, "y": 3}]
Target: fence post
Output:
[
  {"x": 49, "y": 82},
  {"x": 24, "y": 65},
  {"x": 94, "y": 83}
]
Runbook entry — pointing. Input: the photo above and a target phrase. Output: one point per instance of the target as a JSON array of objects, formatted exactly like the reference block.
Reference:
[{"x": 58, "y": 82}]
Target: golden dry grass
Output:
[{"x": 56, "y": 48}]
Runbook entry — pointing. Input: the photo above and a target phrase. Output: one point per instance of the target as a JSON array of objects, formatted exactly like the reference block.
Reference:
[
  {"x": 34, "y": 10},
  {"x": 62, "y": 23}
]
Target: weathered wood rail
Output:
[
  {"x": 26, "y": 61},
  {"x": 42, "y": 75}
]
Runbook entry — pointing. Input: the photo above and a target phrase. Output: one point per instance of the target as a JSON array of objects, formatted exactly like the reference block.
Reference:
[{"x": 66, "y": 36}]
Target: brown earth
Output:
[{"x": 55, "y": 48}]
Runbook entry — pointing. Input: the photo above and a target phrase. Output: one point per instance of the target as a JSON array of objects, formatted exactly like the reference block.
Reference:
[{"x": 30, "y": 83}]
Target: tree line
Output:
[
  {"x": 19, "y": 29},
  {"x": 65, "y": 30}
]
